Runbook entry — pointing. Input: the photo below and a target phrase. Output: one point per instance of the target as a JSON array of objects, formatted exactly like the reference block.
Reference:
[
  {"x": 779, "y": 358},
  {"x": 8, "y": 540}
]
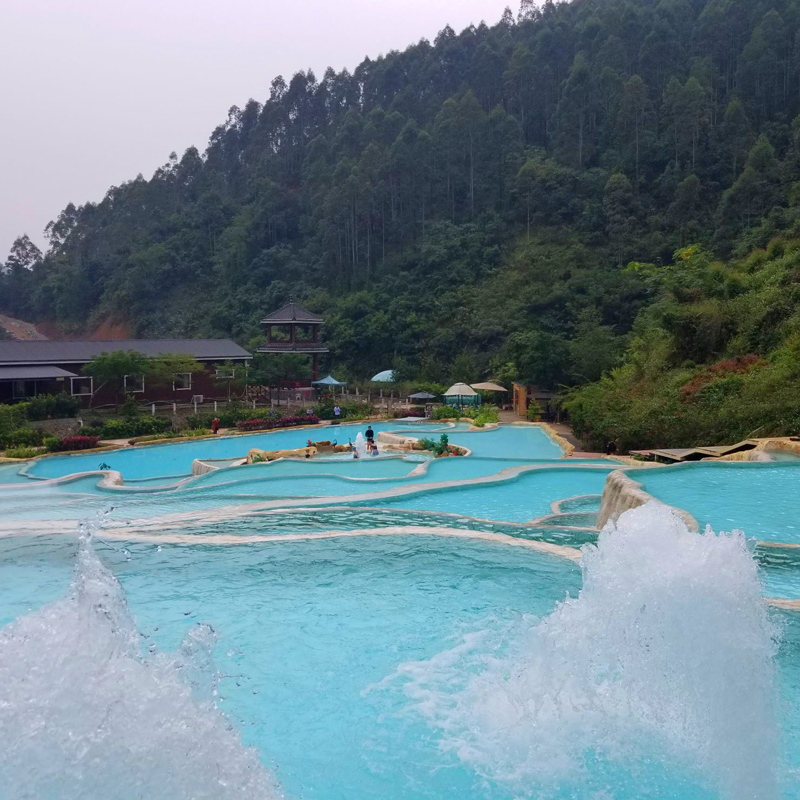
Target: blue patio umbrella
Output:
[{"x": 328, "y": 380}]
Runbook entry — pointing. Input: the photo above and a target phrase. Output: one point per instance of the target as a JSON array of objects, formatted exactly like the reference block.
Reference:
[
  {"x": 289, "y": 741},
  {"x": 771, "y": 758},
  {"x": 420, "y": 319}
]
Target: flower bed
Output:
[{"x": 282, "y": 422}]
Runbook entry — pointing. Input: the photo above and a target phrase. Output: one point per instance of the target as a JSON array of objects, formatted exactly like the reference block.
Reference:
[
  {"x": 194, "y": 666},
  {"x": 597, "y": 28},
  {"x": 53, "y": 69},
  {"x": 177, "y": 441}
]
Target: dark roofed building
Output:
[
  {"x": 30, "y": 368},
  {"x": 293, "y": 329},
  {"x": 83, "y": 351},
  {"x": 292, "y": 312}
]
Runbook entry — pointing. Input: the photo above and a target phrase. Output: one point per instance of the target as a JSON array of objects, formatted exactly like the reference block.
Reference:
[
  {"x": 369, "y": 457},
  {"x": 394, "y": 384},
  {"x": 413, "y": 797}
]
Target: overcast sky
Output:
[{"x": 93, "y": 92}]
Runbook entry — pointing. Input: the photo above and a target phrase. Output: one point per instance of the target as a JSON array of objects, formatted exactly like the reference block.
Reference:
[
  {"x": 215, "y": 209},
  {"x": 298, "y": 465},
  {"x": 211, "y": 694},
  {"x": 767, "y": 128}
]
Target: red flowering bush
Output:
[
  {"x": 253, "y": 424},
  {"x": 68, "y": 443},
  {"x": 281, "y": 422},
  {"x": 722, "y": 369}
]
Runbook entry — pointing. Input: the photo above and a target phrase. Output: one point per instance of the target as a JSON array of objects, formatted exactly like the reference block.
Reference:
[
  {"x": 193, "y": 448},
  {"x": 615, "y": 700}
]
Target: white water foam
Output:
[
  {"x": 660, "y": 670},
  {"x": 84, "y": 715}
]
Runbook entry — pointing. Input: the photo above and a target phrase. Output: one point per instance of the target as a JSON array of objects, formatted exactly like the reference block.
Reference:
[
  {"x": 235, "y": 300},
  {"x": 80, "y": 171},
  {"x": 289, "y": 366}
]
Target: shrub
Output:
[
  {"x": 534, "y": 413},
  {"x": 13, "y": 418},
  {"x": 254, "y": 424},
  {"x": 440, "y": 447},
  {"x": 130, "y": 408},
  {"x": 227, "y": 418},
  {"x": 51, "y": 443},
  {"x": 482, "y": 415},
  {"x": 91, "y": 430},
  {"x": 24, "y": 452},
  {"x": 69, "y": 443},
  {"x": 445, "y": 412},
  {"x": 129, "y": 428},
  {"x": 281, "y": 422},
  {"x": 197, "y": 432},
  {"x": 53, "y": 406},
  {"x": 722, "y": 369},
  {"x": 22, "y": 437},
  {"x": 324, "y": 410},
  {"x": 412, "y": 412}
]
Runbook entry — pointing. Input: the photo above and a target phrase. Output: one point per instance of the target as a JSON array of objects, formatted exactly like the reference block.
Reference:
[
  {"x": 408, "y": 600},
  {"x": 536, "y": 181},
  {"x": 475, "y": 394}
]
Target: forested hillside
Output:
[
  {"x": 715, "y": 359},
  {"x": 468, "y": 206}
]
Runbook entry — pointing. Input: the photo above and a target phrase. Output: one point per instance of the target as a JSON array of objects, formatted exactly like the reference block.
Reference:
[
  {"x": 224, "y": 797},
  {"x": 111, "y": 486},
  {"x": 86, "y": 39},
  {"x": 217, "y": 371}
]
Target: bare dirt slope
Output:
[
  {"x": 107, "y": 330},
  {"x": 20, "y": 329}
]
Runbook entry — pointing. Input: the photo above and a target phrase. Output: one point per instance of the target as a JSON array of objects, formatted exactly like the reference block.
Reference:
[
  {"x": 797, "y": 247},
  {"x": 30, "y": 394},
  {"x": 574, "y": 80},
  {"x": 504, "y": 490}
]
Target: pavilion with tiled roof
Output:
[{"x": 293, "y": 329}]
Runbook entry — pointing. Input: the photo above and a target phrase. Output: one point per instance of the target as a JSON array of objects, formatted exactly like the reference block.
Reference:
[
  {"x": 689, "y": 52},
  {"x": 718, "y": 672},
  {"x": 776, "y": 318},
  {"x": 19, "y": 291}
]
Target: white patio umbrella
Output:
[
  {"x": 488, "y": 386},
  {"x": 462, "y": 395}
]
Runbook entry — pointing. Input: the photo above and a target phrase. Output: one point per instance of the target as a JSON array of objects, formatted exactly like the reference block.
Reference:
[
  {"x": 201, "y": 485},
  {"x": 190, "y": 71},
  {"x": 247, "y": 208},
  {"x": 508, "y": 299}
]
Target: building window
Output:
[
  {"x": 82, "y": 387},
  {"x": 23, "y": 389},
  {"x": 182, "y": 382},
  {"x": 134, "y": 383},
  {"x": 224, "y": 373}
]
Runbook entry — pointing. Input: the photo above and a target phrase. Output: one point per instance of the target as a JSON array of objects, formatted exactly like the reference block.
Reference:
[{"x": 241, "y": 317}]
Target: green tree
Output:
[
  {"x": 755, "y": 191},
  {"x": 634, "y": 106},
  {"x": 619, "y": 207},
  {"x": 111, "y": 368},
  {"x": 162, "y": 370},
  {"x": 594, "y": 349},
  {"x": 686, "y": 210},
  {"x": 575, "y": 111},
  {"x": 736, "y": 134}
]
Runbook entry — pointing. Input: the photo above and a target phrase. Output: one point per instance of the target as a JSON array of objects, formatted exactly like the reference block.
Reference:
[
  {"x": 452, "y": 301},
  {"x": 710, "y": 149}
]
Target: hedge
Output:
[
  {"x": 227, "y": 418},
  {"x": 128, "y": 428},
  {"x": 53, "y": 406},
  {"x": 74, "y": 443},
  {"x": 12, "y": 418},
  {"x": 281, "y": 422},
  {"x": 324, "y": 410},
  {"x": 22, "y": 437}
]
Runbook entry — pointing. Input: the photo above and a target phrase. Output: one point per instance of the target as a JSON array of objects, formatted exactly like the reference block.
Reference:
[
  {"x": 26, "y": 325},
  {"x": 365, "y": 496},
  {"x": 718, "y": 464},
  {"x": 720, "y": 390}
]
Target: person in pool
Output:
[
  {"x": 374, "y": 449},
  {"x": 370, "y": 435}
]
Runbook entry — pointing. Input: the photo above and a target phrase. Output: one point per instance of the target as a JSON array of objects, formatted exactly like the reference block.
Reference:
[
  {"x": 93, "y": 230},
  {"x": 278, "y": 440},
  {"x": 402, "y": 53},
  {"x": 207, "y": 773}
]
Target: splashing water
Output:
[
  {"x": 657, "y": 680},
  {"x": 361, "y": 445},
  {"x": 84, "y": 715}
]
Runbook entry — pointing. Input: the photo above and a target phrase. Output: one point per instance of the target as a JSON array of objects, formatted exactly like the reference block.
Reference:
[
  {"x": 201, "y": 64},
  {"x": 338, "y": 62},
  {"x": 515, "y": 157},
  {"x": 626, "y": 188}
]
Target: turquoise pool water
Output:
[
  {"x": 355, "y": 518},
  {"x": 305, "y": 629},
  {"x": 326, "y": 649},
  {"x": 508, "y": 441},
  {"x": 406, "y": 667},
  {"x": 9, "y": 473},
  {"x": 762, "y": 499},
  {"x": 518, "y": 500},
  {"x": 175, "y": 459}
]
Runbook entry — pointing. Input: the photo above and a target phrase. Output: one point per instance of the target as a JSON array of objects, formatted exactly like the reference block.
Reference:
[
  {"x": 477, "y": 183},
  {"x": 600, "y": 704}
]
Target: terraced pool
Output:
[{"x": 394, "y": 627}]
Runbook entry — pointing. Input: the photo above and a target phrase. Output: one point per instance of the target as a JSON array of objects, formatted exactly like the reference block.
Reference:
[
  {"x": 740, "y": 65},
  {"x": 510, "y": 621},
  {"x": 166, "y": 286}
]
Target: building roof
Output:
[
  {"x": 83, "y": 351},
  {"x": 43, "y": 372},
  {"x": 292, "y": 347},
  {"x": 291, "y": 312},
  {"x": 460, "y": 390}
]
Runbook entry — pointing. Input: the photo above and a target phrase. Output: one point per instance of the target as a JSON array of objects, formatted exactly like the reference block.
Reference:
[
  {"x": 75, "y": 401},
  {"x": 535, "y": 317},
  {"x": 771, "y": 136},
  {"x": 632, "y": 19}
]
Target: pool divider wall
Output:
[{"x": 621, "y": 493}]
